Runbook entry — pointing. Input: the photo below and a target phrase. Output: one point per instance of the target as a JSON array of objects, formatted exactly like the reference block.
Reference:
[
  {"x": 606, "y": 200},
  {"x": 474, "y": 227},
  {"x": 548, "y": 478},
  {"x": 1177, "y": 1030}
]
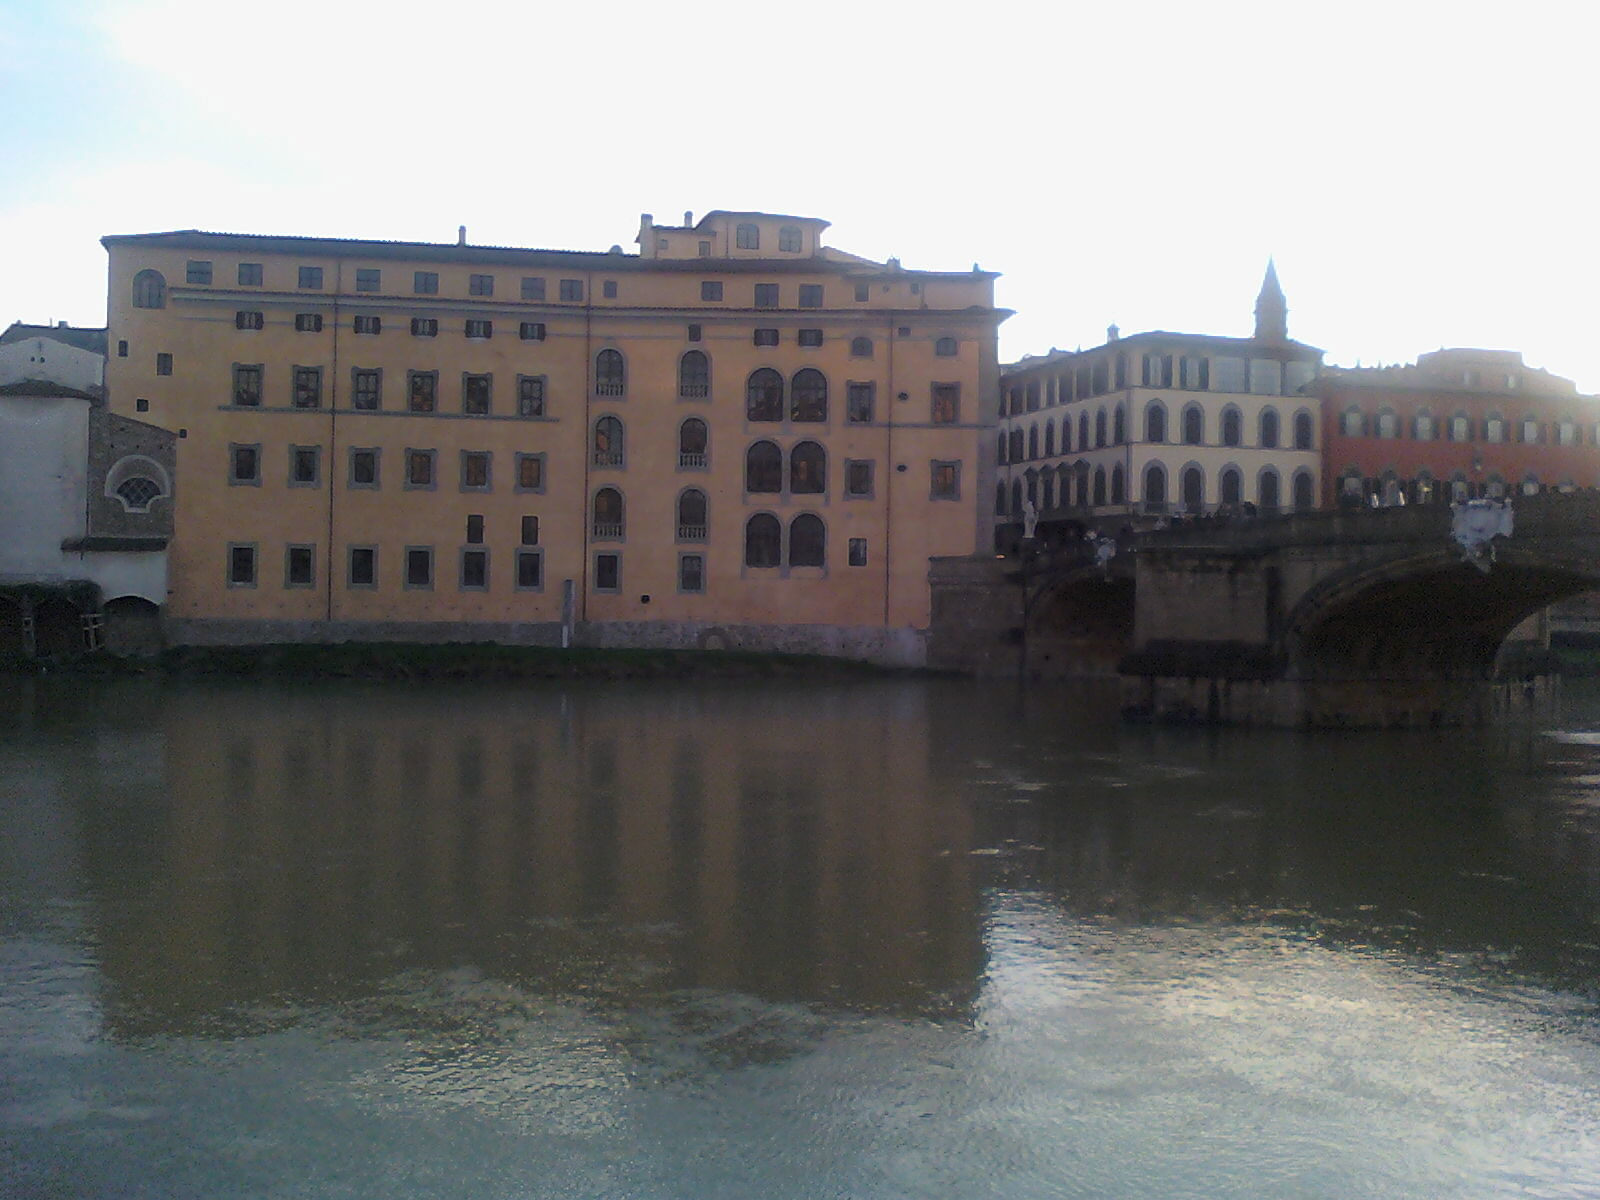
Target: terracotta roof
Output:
[
  {"x": 45, "y": 389},
  {"x": 93, "y": 340}
]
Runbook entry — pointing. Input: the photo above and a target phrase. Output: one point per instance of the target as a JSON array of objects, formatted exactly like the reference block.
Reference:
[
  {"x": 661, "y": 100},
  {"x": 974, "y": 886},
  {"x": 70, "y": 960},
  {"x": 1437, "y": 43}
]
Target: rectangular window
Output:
[
  {"x": 198, "y": 271},
  {"x": 691, "y": 572},
  {"x": 141, "y": 405},
  {"x": 1230, "y": 374},
  {"x": 419, "y": 566},
  {"x": 859, "y": 402},
  {"x": 530, "y": 531},
  {"x": 424, "y": 327},
  {"x": 571, "y": 289},
  {"x": 946, "y": 403},
  {"x": 858, "y": 552},
  {"x": 747, "y": 237},
  {"x": 694, "y": 333},
  {"x": 531, "y": 331},
  {"x": 474, "y": 570},
  {"x": 368, "y": 325},
  {"x": 250, "y": 274},
  {"x": 163, "y": 364},
  {"x": 308, "y": 322},
  {"x": 811, "y": 338},
  {"x": 530, "y": 473},
  {"x": 241, "y": 564},
  {"x": 249, "y": 320},
  {"x": 810, "y": 295},
  {"x": 711, "y": 289},
  {"x": 247, "y": 385},
  {"x": 608, "y": 289},
  {"x": 475, "y": 394},
  {"x": 474, "y": 529},
  {"x": 305, "y": 466},
  {"x": 311, "y": 278},
  {"x": 122, "y": 349},
  {"x": 946, "y": 481},
  {"x": 425, "y": 283},
  {"x": 366, "y": 389},
  {"x": 1266, "y": 376},
  {"x": 300, "y": 566},
  {"x": 419, "y": 469},
  {"x": 530, "y": 395},
  {"x": 363, "y": 566},
  {"x": 244, "y": 464},
  {"x": 532, "y": 289},
  {"x": 480, "y": 285},
  {"x": 766, "y": 295},
  {"x": 307, "y": 387},
  {"x": 475, "y": 470},
  {"x": 705, "y": 249},
  {"x": 364, "y": 467},
  {"x": 530, "y": 570},
  {"x": 479, "y": 328},
  {"x": 862, "y": 292},
  {"x": 766, "y": 337},
  {"x": 608, "y": 572},
  {"x": 858, "y": 478},
  {"x": 422, "y": 390},
  {"x": 368, "y": 279}
]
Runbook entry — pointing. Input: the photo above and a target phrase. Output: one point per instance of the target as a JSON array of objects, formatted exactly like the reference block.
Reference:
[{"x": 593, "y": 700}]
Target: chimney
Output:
[
  {"x": 461, "y": 235},
  {"x": 688, "y": 218},
  {"x": 1112, "y": 332}
]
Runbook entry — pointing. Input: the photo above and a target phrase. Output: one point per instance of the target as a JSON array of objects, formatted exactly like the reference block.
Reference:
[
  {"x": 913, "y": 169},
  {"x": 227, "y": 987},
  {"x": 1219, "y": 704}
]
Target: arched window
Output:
[
  {"x": 808, "y": 541},
  {"x": 1232, "y": 426},
  {"x": 1000, "y": 449},
  {"x": 692, "y": 511},
  {"x": 149, "y": 289},
  {"x": 1122, "y": 373},
  {"x": 1066, "y": 434},
  {"x": 1303, "y": 430},
  {"x": 1099, "y": 485},
  {"x": 1047, "y": 490},
  {"x": 1460, "y": 428},
  {"x": 1194, "y": 489},
  {"x": 1064, "y": 484},
  {"x": 1305, "y": 496},
  {"x": 608, "y": 442},
  {"x": 1494, "y": 428},
  {"x": 1119, "y": 486},
  {"x": 999, "y": 499},
  {"x": 694, "y": 375},
  {"x": 946, "y": 347},
  {"x": 1424, "y": 490},
  {"x": 1351, "y": 422},
  {"x": 1267, "y": 433},
  {"x": 1530, "y": 485},
  {"x": 692, "y": 443},
  {"x": 763, "y": 541},
  {"x": 1423, "y": 428},
  {"x": 763, "y": 396},
  {"x": 1016, "y": 445},
  {"x": 608, "y": 515},
  {"x": 1030, "y": 485},
  {"x": 1119, "y": 425},
  {"x": 1566, "y": 432},
  {"x": 1193, "y": 425},
  {"x": 1100, "y": 428},
  {"x": 1080, "y": 480},
  {"x": 1230, "y": 486},
  {"x": 808, "y": 468},
  {"x": 610, "y": 376},
  {"x": 1083, "y": 430},
  {"x": 1155, "y": 484},
  {"x": 763, "y": 468},
  {"x": 808, "y": 396},
  {"x": 138, "y": 482},
  {"x": 1033, "y": 441},
  {"x": 861, "y": 347},
  {"x": 1049, "y": 439},
  {"x": 1388, "y": 424},
  {"x": 1033, "y": 395},
  {"x": 1155, "y": 422},
  {"x": 1532, "y": 431},
  {"x": 1016, "y": 497},
  {"x": 1267, "y": 490}
]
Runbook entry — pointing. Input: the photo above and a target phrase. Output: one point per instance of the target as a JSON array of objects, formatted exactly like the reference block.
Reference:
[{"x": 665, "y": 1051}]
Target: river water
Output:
[{"x": 882, "y": 939}]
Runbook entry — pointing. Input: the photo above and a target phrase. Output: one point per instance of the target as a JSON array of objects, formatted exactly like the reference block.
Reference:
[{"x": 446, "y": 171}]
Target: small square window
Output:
[
  {"x": 571, "y": 289},
  {"x": 532, "y": 331},
  {"x": 368, "y": 324},
  {"x": 858, "y": 552},
  {"x": 419, "y": 566},
  {"x": 364, "y": 467},
  {"x": 241, "y": 564},
  {"x": 305, "y": 466},
  {"x": 608, "y": 572},
  {"x": 311, "y": 278},
  {"x": 247, "y": 385},
  {"x": 711, "y": 289},
  {"x": 530, "y": 570},
  {"x": 859, "y": 401},
  {"x": 249, "y": 320},
  {"x": 244, "y": 464},
  {"x": 863, "y": 293},
  {"x": 608, "y": 289},
  {"x": 422, "y": 390},
  {"x": 858, "y": 478},
  {"x": 475, "y": 471},
  {"x": 479, "y": 328},
  {"x": 916, "y": 287},
  {"x": 532, "y": 289},
  {"x": 947, "y": 347},
  {"x": 474, "y": 529},
  {"x": 530, "y": 530},
  {"x": 425, "y": 283},
  {"x": 424, "y": 327},
  {"x": 691, "y": 573},
  {"x": 475, "y": 394},
  {"x": 308, "y": 322},
  {"x": 694, "y": 333},
  {"x": 904, "y": 331},
  {"x": 946, "y": 481},
  {"x": 307, "y": 387},
  {"x": 163, "y": 364},
  {"x": 122, "y": 349},
  {"x": 530, "y": 473},
  {"x": 198, "y": 271},
  {"x": 480, "y": 285},
  {"x": 810, "y": 295},
  {"x": 368, "y": 279},
  {"x": 300, "y": 567},
  {"x": 141, "y": 405},
  {"x": 363, "y": 566},
  {"x": 946, "y": 403},
  {"x": 474, "y": 570},
  {"x": 766, "y": 337},
  {"x": 419, "y": 469},
  {"x": 366, "y": 389},
  {"x": 250, "y": 274},
  {"x": 766, "y": 295},
  {"x": 811, "y": 338},
  {"x": 530, "y": 395}
]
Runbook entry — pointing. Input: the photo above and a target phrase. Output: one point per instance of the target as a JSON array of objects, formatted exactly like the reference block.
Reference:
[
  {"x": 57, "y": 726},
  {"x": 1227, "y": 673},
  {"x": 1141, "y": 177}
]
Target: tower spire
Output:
[{"x": 1272, "y": 311}]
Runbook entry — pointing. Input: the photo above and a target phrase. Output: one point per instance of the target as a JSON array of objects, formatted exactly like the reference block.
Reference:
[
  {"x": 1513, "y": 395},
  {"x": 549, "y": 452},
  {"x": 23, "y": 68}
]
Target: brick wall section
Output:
[
  {"x": 976, "y": 613},
  {"x": 111, "y": 437}
]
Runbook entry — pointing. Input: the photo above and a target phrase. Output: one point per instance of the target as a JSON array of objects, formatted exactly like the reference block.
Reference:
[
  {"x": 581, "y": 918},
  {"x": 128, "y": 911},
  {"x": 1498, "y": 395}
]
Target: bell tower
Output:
[{"x": 1272, "y": 311}]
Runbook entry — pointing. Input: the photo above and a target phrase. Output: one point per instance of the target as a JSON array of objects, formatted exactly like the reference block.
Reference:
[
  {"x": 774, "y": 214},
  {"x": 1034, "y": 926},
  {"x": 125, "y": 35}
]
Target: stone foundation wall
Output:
[{"x": 976, "y": 616}]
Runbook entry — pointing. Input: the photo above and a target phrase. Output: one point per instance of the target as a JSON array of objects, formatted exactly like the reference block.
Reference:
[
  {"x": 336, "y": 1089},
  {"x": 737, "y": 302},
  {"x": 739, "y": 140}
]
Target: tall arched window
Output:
[
  {"x": 149, "y": 289},
  {"x": 1232, "y": 426},
  {"x": 692, "y": 443},
  {"x": 808, "y": 468},
  {"x": 1193, "y": 425},
  {"x": 1268, "y": 431},
  {"x": 1033, "y": 395},
  {"x": 1080, "y": 482},
  {"x": 1049, "y": 439},
  {"x": 1030, "y": 485},
  {"x": 694, "y": 375},
  {"x": 763, "y": 468},
  {"x": 1119, "y": 425},
  {"x": 1000, "y": 499},
  {"x": 1194, "y": 489},
  {"x": 1119, "y": 486},
  {"x": 1047, "y": 490},
  {"x": 1155, "y": 422},
  {"x": 1100, "y": 428},
  {"x": 1016, "y": 445},
  {"x": 1230, "y": 486},
  {"x": 1016, "y": 496},
  {"x": 692, "y": 512},
  {"x": 1303, "y": 428},
  {"x": 861, "y": 347},
  {"x": 1099, "y": 485},
  {"x": 1305, "y": 497},
  {"x": 1267, "y": 490},
  {"x": 1066, "y": 434},
  {"x": 607, "y": 515},
  {"x": 1000, "y": 450},
  {"x": 1033, "y": 442},
  {"x": 808, "y": 396},
  {"x": 1083, "y": 430},
  {"x": 1155, "y": 484},
  {"x": 608, "y": 442},
  {"x": 610, "y": 376},
  {"x": 1387, "y": 425},
  {"x": 763, "y": 541},
  {"x": 1352, "y": 423},
  {"x": 808, "y": 541},
  {"x": 763, "y": 396}
]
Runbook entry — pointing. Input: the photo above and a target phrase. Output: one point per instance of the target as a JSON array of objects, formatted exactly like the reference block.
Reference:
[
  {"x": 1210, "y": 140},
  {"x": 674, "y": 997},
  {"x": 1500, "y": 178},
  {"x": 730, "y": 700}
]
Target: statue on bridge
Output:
[
  {"x": 1475, "y": 524},
  {"x": 1030, "y": 519}
]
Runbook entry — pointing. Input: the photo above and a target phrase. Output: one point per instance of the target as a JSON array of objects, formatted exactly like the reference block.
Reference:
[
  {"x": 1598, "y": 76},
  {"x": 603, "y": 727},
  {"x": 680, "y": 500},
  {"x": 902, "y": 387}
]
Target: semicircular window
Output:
[{"x": 138, "y": 492}]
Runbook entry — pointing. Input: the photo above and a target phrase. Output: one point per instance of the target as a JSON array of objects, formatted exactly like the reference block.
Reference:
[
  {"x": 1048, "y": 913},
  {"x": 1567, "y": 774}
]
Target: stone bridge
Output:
[{"x": 1362, "y": 617}]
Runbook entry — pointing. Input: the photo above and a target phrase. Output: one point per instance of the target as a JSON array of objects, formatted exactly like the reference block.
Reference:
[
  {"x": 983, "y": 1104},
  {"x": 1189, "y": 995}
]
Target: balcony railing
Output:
[
  {"x": 691, "y": 533},
  {"x": 608, "y": 531},
  {"x": 608, "y": 458},
  {"x": 609, "y": 389},
  {"x": 694, "y": 391},
  {"x": 692, "y": 459}
]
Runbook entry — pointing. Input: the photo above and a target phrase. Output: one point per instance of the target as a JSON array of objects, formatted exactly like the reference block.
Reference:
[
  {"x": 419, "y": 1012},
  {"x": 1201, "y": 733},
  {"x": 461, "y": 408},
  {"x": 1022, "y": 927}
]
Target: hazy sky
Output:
[{"x": 1423, "y": 172}]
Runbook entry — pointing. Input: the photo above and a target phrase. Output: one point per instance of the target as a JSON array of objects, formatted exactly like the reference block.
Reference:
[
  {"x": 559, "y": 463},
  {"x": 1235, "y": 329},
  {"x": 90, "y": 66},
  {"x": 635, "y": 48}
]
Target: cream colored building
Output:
[{"x": 737, "y": 436}]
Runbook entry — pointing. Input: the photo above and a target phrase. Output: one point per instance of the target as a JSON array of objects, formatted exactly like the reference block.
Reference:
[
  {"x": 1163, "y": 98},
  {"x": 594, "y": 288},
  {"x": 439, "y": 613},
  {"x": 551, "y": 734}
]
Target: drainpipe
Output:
[
  {"x": 587, "y": 449},
  {"x": 330, "y": 467},
  {"x": 889, "y": 472}
]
